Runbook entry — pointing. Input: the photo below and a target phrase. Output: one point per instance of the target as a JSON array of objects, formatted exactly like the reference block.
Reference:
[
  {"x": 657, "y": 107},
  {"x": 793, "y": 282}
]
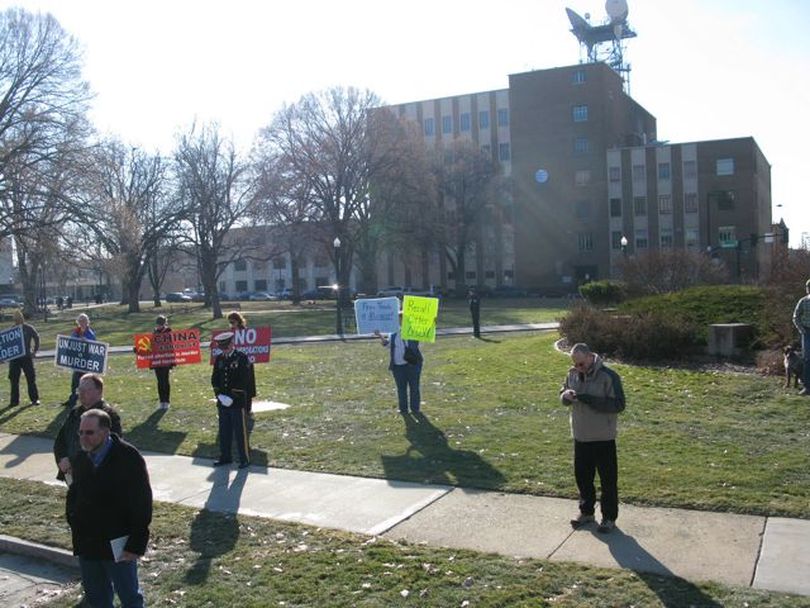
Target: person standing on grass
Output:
[
  {"x": 595, "y": 394},
  {"x": 801, "y": 319},
  {"x": 24, "y": 364},
  {"x": 230, "y": 379},
  {"x": 475, "y": 311},
  {"x": 163, "y": 369},
  {"x": 67, "y": 445},
  {"x": 238, "y": 323},
  {"x": 82, "y": 331},
  {"x": 109, "y": 510},
  {"x": 405, "y": 362}
]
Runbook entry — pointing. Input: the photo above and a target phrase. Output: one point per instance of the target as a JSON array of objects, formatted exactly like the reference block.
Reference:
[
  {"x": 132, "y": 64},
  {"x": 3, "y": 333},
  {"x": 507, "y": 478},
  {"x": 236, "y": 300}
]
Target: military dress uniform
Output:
[{"x": 231, "y": 377}]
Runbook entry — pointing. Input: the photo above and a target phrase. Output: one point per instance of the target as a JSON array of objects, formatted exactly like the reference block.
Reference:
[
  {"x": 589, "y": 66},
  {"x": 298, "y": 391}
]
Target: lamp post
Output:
[
  {"x": 338, "y": 319},
  {"x": 623, "y": 243}
]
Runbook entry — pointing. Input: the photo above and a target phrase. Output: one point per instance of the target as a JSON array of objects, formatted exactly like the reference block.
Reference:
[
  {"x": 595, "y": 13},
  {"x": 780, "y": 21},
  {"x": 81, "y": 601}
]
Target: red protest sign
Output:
[
  {"x": 180, "y": 347},
  {"x": 253, "y": 341}
]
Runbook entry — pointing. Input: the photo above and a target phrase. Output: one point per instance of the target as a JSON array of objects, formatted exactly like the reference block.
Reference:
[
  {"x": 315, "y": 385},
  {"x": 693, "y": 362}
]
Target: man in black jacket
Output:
[
  {"x": 231, "y": 381},
  {"x": 109, "y": 509}
]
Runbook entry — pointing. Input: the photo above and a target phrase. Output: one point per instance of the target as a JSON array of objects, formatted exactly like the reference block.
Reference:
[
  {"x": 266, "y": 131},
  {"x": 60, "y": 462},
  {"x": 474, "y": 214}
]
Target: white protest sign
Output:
[{"x": 381, "y": 314}]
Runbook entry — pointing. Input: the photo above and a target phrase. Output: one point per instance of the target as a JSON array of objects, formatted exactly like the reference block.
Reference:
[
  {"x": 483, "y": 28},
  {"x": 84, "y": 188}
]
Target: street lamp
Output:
[
  {"x": 623, "y": 243},
  {"x": 338, "y": 319}
]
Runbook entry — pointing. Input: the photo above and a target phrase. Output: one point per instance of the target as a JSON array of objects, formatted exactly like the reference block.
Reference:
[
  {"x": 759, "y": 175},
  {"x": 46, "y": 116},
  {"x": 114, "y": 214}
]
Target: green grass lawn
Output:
[
  {"x": 717, "y": 441},
  {"x": 201, "y": 558},
  {"x": 114, "y": 325}
]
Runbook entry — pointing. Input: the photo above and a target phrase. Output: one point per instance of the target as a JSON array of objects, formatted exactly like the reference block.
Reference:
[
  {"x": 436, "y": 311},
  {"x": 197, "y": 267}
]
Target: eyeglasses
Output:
[{"x": 90, "y": 432}]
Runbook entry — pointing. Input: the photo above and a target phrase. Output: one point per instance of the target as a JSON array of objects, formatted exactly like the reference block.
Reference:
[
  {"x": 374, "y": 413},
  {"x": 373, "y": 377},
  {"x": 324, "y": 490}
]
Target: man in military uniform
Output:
[{"x": 230, "y": 379}]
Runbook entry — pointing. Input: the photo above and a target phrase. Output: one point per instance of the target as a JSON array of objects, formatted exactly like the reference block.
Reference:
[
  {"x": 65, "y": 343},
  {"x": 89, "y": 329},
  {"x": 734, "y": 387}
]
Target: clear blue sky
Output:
[{"x": 707, "y": 69}]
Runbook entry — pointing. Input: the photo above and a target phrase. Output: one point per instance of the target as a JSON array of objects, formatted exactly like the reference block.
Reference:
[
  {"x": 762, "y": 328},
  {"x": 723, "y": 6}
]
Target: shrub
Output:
[
  {"x": 602, "y": 293},
  {"x": 771, "y": 362},
  {"x": 640, "y": 335},
  {"x": 668, "y": 270}
]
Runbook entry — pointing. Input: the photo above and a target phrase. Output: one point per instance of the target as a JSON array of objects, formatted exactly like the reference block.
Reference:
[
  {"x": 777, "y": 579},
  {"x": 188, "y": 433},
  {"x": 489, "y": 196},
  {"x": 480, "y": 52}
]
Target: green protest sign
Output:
[{"x": 419, "y": 318}]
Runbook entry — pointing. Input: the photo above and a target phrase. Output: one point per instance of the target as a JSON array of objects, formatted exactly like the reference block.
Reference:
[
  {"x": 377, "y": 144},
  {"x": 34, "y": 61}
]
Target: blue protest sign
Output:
[
  {"x": 81, "y": 355},
  {"x": 11, "y": 343},
  {"x": 381, "y": 314}
]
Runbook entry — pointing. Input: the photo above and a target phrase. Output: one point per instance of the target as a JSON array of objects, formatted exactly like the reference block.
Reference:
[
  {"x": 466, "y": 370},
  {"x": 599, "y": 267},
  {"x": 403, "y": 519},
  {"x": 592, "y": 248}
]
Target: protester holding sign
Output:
[
  {"x": 83, "y": 331},
  {"x": 24, "y": 364},
  {"x": 230, "y": 380},
  {"x": 161, "y": 368},
  {"x": 238, "y": 322},
  {"x": 405, "y": 363}
]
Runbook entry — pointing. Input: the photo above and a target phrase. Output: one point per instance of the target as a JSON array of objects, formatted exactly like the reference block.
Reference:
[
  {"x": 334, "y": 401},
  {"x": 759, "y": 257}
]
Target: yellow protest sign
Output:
[{"x": 419, "y": 318}]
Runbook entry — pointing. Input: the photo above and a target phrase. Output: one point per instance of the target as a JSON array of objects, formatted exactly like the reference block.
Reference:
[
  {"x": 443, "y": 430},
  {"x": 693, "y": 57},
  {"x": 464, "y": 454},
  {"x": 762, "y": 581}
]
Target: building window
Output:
[
  {"x": 259, "y": 265},
  {"x": 221, "y": 287},
  {"x": 279, "y": 264},
  {"x": 470, "y": 274},
  {"x": 508, "y": 274},
  {"x": 615, "y": 174},
  {"x": 725, "y": 166},
  {"x": 727, "y": 236},
  {"x": 639, "y": 205},
  {"x": 503, "y": 117},
  {"x": 241, "y": 286},
  {"x": 447, "y": 124},
  {"x": 581, "y": 145},
  {"x": 260, "y": 285},
  {"x": 483, "y": 119},
  {"x": 580, "y": 113},
  {"x": 430, "y": 127},
  {"x": 240, "y": 265},
  {"x": 578, "y": 77},
  {"x": 665, "y": 204},
  {"x": 691, "y": 238},
  {"x": 615, "y": 207},
  {"x": 464, "y": 122},
  {"x": 616, "y": 239},
  {"x": 585, "y": 241},
  {"x": 690, "y": 204},
  {"x": 639, "y": 173},
  {"x": 664, "y": 171},
  {"x": 486, "y": 150},
  {"x": 582, "y": 209},
  {"x": 504, "y": 154},
  {"x": 582, "y": 177},
  {"x": 489, "y": 274},
  {"x": 641, "y": 239},
  {"x": 666, "y": 238},
  {"x": 723, "y": 199},
  {"x": 689, "y": 169}
]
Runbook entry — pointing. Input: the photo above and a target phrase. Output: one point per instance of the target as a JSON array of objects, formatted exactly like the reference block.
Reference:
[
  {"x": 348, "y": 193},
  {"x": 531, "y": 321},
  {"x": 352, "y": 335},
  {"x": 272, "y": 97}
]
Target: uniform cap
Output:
[{"x": 224, "y": 338}]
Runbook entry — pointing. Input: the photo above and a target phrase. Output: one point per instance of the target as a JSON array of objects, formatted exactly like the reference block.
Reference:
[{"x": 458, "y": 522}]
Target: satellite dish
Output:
[{"x": 616, "y": 10}]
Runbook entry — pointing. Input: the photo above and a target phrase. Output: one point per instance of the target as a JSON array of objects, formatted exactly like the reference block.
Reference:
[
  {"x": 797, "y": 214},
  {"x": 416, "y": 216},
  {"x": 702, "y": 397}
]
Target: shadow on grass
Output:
[
  {"x": 148, "y": 433},
  {"x": 215, "y": 529},
  {"x": 670, "y": 589},
  {"x": 430, "y": 459},
  {"x": 12, "y": 411},
  {"x": 493, "y": 340}
]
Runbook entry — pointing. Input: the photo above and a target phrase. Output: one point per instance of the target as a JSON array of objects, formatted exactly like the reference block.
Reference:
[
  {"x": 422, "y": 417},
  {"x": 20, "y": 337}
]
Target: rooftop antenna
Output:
[{"x": 605, "y": 42}]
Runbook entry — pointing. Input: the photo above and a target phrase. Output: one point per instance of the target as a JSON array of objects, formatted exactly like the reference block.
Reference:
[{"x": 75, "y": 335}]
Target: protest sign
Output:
[
  {"x": 381, "y": 314},
  {"x": 419, "y": 318},
  {"x": 253, "y": 341},
  {"x": 81, "y": 355},
  {"x": 180, "y": 347},
  {"x": 12, "y": 345}
]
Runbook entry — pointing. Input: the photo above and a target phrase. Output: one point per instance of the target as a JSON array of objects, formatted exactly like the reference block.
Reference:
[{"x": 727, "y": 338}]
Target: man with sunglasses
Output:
[
  {"x": 91, "y": 396},
  {"x": 109, "y": 510},
  {"x": 596, "y": 396}
]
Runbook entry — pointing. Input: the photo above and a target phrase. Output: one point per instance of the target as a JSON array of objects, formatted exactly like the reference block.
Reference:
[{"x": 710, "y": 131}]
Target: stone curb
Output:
[{"x": 18, "y": 546}]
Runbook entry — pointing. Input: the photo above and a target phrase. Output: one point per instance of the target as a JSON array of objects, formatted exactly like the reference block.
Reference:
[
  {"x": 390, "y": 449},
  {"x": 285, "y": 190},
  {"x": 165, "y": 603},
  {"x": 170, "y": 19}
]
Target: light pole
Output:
[
  {"x": 338, "y": 319},
  {"x": 623, "y": 243}
]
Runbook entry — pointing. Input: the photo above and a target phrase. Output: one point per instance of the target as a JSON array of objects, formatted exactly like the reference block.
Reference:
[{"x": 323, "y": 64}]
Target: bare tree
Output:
[
  {"x": 214, "y": 186},
  {"x": 666, "y": 270}
]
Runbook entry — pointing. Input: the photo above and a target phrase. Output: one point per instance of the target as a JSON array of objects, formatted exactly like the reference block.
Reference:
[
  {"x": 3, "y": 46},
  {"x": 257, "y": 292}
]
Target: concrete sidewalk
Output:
[{"x": 742, "y": 550}]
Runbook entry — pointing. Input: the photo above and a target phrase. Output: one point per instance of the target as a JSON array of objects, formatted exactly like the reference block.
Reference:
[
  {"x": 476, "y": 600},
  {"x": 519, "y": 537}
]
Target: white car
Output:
[
  {"x": 9, "y": 303},
  {"x": 391, "y": 291},
  {"x": 261, "y": 296}
]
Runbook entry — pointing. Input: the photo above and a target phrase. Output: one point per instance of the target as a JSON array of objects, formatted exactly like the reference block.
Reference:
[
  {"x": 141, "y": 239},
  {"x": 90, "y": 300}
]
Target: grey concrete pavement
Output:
[
  {"x": 742, "y": 550},
  {"x": 24, "y": 580}
]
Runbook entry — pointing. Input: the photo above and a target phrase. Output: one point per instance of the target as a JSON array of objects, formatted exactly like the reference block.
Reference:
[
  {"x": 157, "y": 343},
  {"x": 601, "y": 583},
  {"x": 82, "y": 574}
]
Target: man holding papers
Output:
[{"x": 109, "y": 509}]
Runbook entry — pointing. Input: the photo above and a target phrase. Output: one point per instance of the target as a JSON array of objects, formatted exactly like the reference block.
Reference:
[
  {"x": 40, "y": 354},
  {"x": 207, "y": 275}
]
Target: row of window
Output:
[
  {"x": 723, "y": 166},
  {"x": 690, "y": 205},
  {"x": 641, "y": 239},
  {"x": 464, "y": 122}
]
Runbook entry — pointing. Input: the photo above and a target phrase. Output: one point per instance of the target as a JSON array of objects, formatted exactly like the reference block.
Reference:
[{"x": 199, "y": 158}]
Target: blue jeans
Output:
[
  {"x": 100, "y": 577},
  {"x": 407, "y": 377},
  {"x": 806, "y": 357}
]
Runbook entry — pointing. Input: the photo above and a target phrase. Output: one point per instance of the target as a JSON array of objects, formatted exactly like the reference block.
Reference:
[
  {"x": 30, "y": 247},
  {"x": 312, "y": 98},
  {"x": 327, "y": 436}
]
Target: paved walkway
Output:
[{"x": 743, "y": 550}]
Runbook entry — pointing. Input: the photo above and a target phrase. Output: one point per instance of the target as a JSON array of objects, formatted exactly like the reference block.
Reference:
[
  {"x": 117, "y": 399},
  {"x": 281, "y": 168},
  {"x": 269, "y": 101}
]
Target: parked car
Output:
[
  {"x": 262, "y": 296},
  {"x": 196, "y": 296},
  {"x": 391, "y": 291},
  {"x": 9, "y": 303},
  {"x": 509, "y": 291},
  {"x": 285, "y": 294},
  {"x": 177, "y": 296}
]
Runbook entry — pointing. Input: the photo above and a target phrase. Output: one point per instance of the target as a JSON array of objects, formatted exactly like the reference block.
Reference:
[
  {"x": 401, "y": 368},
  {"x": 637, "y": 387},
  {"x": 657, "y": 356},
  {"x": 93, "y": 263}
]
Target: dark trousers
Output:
[
  {"x": 164, "y": 387},
  {"x": 406, "y": 378},
  {"x": 233, "y": 423},
  {"x": 590, "y": 457},
  {"x": 806, "y": 357},
  {"x": 17, "y": 366},
  {"x": 476, "y": 319},
  {"x": 74, "y": 384}
]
